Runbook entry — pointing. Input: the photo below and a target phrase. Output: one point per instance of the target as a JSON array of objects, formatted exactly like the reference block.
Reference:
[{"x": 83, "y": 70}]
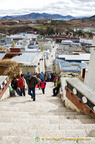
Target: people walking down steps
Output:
[{"x": 31, "y": 81}]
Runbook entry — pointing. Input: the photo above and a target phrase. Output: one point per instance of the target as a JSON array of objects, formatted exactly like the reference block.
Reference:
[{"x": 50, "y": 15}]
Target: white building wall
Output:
[
  {"x": 42, "y": 65},
  {"x": 25, "y": 42},
  {"x": 48, "y": 46},
  {"x": 8, "y": 40},
  {"x": 36, "y": 69},
  {"x": 27, "y": 69},
  {"x": 90, "y": 74},
  {"x": 39, "y": 68}
]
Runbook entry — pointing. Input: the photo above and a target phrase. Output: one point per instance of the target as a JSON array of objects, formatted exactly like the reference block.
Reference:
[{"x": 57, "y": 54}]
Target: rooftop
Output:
[
  {"x": 80, "y": 57},
  {"x": 70, "y": 66},
  {"x": 28, "y": 58}
]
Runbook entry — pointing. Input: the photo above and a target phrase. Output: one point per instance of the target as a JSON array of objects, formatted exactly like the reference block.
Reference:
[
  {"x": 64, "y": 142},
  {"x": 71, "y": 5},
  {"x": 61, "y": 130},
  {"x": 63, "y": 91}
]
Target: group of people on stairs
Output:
[{"x": 18, "y": 86}]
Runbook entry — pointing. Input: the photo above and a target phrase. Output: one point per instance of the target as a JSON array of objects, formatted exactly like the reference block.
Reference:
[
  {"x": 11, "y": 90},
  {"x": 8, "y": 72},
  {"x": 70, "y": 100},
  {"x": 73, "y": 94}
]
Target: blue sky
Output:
[{"x": 63, "y": 7}]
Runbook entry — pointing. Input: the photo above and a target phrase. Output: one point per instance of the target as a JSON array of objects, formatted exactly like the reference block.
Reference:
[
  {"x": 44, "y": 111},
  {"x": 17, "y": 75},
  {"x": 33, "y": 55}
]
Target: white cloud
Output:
[{"x": 63, "y": 7}]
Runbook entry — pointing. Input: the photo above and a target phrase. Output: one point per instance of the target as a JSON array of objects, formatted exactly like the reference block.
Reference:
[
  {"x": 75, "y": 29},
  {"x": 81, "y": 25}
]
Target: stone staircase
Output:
[{"x": 44, "y": 121}]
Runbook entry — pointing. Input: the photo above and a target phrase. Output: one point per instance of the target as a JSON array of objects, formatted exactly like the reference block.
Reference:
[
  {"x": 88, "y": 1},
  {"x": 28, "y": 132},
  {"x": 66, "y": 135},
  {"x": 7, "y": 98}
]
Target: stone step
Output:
[
  {"x": 29, "y": 131},
  {"x": 42, "y": 119},
  {"x": 36, "y": 109},
  {"x": 24, "y": 121},
  {"x": 46, "y": 117},
  {"x": 36, "y": 126},
  {"x": 25, "y": 108},
  {"x": 73, "y": 121},
  {"x": 45, "y": 140},
  {"x": 63, "y": 113}
]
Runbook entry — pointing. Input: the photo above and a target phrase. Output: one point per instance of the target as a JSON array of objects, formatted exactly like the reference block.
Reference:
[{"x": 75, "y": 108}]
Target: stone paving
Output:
[{"x": 44, "y": 121}]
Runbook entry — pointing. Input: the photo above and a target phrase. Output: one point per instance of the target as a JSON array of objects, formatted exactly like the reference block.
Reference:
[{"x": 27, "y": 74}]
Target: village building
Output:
[
  {"x": 86, "y": 44},
  {"x": 32, "y": 62}
]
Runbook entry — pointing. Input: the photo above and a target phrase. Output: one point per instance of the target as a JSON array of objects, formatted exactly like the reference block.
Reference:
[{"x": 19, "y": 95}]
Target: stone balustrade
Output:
[{"x": 4, "y": 83}]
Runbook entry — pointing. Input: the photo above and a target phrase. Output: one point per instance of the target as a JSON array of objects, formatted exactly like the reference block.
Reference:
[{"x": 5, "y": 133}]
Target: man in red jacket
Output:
[{"x": 21, "y": 85}]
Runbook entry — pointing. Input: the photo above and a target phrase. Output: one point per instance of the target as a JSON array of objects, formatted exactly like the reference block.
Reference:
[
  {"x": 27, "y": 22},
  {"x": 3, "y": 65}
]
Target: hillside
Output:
[
  {"x": 13, "y": 26},
  {"x": 84, "y": 22}
]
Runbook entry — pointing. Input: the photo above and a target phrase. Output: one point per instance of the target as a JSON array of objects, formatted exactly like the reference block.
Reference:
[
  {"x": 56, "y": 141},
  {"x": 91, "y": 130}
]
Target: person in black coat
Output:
[
  {"x": 31, "y": 81},
  {"x": 14, "y": 85}
]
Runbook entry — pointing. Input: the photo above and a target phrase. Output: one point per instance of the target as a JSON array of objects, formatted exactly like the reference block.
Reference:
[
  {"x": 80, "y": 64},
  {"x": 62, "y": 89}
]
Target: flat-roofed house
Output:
[
  {"x": 72, "y": 63},
  {"x": 32, "y": 62}
]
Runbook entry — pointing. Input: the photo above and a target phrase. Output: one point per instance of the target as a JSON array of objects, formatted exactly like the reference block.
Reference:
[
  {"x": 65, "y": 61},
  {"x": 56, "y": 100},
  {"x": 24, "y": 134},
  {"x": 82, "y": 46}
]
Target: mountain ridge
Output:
[{"x": 34, "y": 16}]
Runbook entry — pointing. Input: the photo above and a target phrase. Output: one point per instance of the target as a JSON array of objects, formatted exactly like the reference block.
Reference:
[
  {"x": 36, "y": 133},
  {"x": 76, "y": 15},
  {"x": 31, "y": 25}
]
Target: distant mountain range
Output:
[{"x": 35, "y": 16}]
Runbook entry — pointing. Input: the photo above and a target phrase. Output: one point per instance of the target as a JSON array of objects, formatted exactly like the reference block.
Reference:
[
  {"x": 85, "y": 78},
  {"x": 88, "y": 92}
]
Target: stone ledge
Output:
[{"x": 82, "y": 88}]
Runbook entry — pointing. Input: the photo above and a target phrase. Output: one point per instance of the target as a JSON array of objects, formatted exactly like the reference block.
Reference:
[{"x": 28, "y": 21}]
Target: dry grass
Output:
[{"x": 10, "y": 68}]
